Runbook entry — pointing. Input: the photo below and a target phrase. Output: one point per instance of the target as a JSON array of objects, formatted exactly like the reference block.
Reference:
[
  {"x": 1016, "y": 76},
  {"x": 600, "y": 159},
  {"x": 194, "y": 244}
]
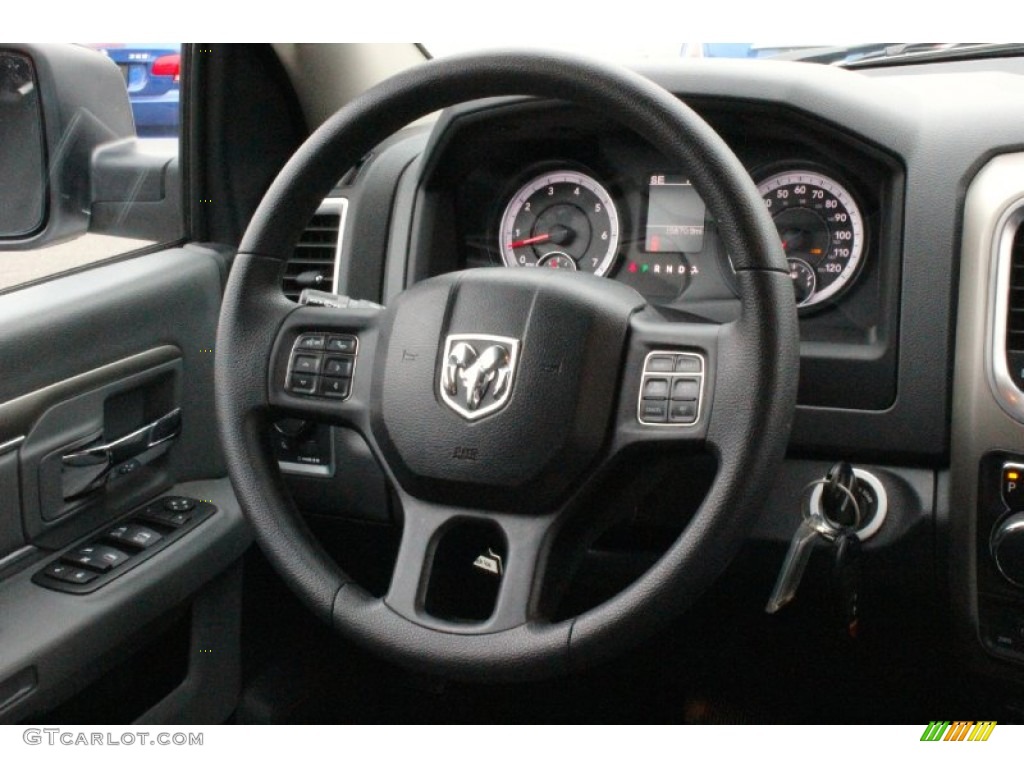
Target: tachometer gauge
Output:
[
  {"x": 558, "y": 218},
  {"x": 822, "y": 232}
]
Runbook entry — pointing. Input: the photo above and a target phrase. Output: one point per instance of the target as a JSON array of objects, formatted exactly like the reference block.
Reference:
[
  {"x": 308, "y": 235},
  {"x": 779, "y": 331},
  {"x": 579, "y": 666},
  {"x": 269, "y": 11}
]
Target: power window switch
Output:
[
  {"x": 95, "y": 556},
  {"x": 167, "y": 517},
  {"x": 70, "y": 574},
  {"x": 136, "y": 535}
]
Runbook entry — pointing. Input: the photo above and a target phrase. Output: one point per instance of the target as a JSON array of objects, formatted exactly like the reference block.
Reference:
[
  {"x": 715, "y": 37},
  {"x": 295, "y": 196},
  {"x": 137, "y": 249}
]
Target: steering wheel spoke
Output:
[
  {"x": 321, "y": 366},
  {"x": 466, "y": 572}
]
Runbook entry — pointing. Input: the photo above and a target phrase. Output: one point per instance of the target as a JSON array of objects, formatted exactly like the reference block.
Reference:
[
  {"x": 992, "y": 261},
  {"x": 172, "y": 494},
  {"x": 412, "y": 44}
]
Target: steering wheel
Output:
[{"x": 494, "y": 398}]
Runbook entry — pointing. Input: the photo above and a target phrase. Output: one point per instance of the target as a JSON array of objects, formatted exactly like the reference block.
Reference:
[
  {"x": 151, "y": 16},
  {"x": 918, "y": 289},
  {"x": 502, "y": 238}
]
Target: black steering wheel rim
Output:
[{"x": 746, "y": 430}]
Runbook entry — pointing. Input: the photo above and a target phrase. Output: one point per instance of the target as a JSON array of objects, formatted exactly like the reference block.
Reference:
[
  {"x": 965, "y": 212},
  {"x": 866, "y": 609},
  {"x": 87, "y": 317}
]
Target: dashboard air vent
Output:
[
  {"x": 1015, "y": 310},
  {"x": 314, "y": 261}
]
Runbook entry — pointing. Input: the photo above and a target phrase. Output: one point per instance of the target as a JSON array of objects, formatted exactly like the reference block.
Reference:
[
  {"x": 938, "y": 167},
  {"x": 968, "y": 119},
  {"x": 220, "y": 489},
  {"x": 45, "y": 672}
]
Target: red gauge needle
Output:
[{"x": 530, "y": 240}]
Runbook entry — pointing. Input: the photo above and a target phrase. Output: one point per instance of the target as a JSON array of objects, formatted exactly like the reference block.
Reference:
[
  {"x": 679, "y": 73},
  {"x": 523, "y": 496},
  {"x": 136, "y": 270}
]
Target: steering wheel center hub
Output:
[{"x": 499, "y": 384}]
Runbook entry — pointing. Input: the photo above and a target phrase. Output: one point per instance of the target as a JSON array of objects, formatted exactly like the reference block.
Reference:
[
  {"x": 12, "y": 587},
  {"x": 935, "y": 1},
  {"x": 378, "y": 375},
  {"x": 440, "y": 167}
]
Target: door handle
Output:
[{"x": 86, "y": 469}]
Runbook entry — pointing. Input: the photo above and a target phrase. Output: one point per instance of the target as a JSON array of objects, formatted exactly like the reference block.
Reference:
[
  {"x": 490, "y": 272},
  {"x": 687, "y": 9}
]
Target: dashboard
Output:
[
  {"x": 880, "y": 183},
  {"x": 898, "y": 196},
  {"x": 615, "y": 209},
  {"x": 544, "y": 185}
]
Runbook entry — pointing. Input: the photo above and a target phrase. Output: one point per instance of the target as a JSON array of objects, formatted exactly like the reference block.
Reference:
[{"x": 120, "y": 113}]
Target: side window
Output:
[
  {"x": 152, "y": 77},
  {"x": 112, "y": 182}
]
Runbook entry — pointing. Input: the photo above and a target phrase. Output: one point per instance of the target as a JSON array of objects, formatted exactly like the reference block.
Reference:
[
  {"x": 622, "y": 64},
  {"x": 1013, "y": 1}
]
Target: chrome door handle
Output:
[{"x": 87, "y": 468}]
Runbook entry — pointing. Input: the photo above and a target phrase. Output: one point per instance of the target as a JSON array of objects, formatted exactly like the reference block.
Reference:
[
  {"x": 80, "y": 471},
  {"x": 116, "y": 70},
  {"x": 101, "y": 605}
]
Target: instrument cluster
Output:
[{"x": 565, "y": 217}]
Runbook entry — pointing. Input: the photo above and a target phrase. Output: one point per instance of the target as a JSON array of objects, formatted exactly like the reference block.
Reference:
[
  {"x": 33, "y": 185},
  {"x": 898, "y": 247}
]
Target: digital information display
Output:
[{"x": 675, "y": 216}]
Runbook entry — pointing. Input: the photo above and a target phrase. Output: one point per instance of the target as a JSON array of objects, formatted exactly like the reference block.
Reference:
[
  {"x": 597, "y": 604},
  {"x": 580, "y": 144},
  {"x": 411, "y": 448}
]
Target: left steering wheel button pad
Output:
[
  {"x": 671, "y": 399},
  {"x": 319, "y": 375}
]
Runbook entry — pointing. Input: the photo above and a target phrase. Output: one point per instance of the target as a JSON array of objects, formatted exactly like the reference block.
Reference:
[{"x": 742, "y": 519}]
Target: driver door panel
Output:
[{"x": 91, "y": 359}]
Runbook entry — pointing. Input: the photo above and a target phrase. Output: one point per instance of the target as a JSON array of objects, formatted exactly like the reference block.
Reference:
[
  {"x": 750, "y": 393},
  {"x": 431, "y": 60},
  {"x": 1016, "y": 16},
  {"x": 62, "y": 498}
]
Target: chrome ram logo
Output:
[{"x": 476, "y": 373}]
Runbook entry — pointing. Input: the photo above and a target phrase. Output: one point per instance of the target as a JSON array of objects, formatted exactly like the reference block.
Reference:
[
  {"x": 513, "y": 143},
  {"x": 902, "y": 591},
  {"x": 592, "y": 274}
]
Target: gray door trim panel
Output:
[
  {"x": 60, "y": 635},
  {"x": 18, "y": 415}
]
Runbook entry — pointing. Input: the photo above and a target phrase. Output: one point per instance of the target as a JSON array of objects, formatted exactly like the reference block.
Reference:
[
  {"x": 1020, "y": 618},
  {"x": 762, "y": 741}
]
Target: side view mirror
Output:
[{"x": 69, "y": 156}]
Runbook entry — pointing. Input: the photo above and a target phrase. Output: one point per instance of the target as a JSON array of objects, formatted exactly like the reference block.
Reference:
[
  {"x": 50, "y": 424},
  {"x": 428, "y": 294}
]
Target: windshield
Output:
[
  {"x": 639, "y": 51},
  {"x": 851, "y": 54}
]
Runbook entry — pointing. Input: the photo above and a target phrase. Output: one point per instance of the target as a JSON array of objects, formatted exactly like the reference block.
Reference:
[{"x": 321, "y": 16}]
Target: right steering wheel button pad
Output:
[
  {"x": 671, "y": 389},
  {"x": 322, "y": 365}
]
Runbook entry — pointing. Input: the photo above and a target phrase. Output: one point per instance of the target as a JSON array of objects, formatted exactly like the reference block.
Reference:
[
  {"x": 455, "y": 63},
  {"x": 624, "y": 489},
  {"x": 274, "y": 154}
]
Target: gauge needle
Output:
[{"x": 530, "y": 240}]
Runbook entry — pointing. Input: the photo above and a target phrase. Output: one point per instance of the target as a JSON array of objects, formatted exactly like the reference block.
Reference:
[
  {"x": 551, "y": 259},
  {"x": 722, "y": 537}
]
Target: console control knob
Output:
[
  {"x": 293, "y": 428},
  {"x": 1007, "y": 548}
]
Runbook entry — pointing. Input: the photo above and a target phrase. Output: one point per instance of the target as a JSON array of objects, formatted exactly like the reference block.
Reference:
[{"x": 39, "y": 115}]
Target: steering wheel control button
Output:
[
  {"x": 656, "y": 389},
  {"x": 179, "y": 504},
  {"x": 342, "y": 344},
  {"x": 335, "y": 387},
  {"x": 338, "y": 366},
  {"x": 96, "y": 556},
  {"x": 672, "y": 400},
  {"x": 689, "y": 364},
  {"x": 685, "y": 389},
  {"x": 661, "y": 364},
  {"x": 311, "y": 341},
  {"x": 135, "y": 535},
  {"x": 653, "y": 411},
  {"x": 306, "y": 364},
  {"x": 327, "y": 375},
  {"x": 69, "y": 574},
  {"x": 1012, "y": 486},
  {"x": 302, "y": 382},
  {"x": 682, "y": 413}
]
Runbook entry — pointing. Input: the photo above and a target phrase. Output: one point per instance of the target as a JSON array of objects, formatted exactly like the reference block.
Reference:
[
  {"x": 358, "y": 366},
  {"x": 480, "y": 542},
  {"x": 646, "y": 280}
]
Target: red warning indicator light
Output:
[{"x": 632, "y": 267}]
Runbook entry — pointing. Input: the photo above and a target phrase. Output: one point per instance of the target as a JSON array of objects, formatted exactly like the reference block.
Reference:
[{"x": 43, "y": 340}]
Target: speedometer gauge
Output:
[
  {"x": 822, "y": 232},
  {"x": 562, "y": 219}
]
